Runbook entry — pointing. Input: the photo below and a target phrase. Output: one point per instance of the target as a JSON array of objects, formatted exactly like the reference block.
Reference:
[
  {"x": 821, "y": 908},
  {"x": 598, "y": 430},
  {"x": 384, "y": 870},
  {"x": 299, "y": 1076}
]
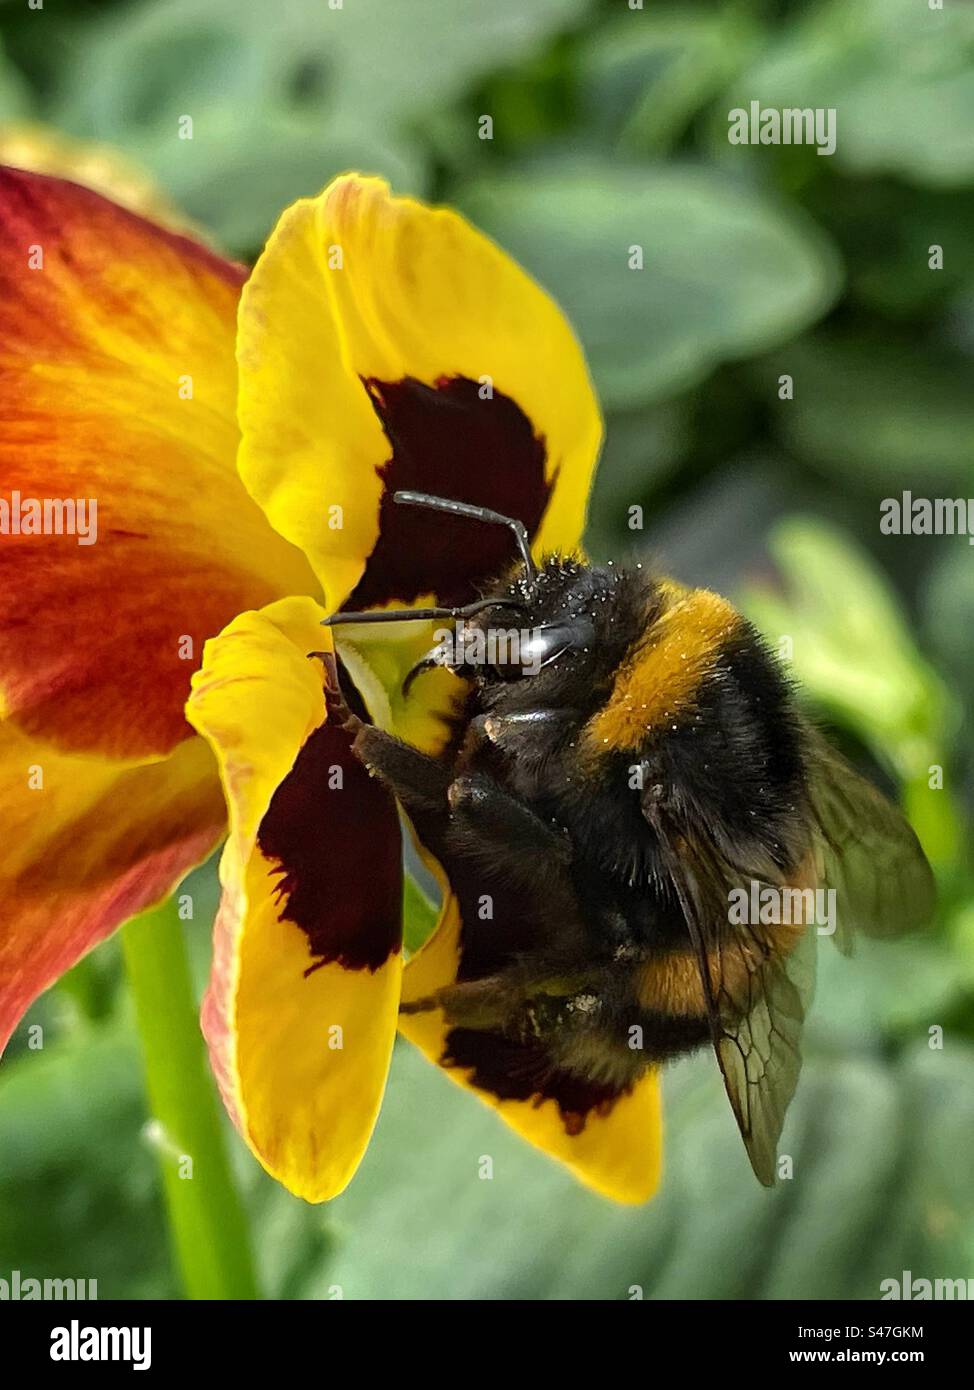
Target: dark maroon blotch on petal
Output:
[
  {"x": 448, "y": 441},
  {"x": 514, "y": 1070},
  {"x": 339, "y": 856}
]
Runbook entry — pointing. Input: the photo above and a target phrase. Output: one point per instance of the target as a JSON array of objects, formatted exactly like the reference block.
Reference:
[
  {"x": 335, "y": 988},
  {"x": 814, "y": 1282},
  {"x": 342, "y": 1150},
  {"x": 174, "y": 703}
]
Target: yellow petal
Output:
[
  {"x": 379, "y": 658},
  {"x": 383, "y": 344},
  {"x": 301, "y": 1012}
]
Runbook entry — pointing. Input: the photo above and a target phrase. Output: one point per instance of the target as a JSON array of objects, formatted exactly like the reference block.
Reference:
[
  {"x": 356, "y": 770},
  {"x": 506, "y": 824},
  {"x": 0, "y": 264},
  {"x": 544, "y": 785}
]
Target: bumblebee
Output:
[{"x": 628, "y": 773}]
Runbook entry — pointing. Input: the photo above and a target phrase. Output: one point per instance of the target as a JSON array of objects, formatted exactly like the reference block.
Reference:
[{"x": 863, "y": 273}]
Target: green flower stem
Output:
[{"x": 207, "y": 1223}]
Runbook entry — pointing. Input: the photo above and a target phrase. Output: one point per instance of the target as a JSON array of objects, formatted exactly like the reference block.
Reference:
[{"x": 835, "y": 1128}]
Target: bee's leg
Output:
[
  {"x": 419, "y": 782},
  {"x": 484, "y": 1003},
  {"x": 498, "y": 1001},
  {"x": 487, "y": 822},
  {"x": 512, "y": 732}
]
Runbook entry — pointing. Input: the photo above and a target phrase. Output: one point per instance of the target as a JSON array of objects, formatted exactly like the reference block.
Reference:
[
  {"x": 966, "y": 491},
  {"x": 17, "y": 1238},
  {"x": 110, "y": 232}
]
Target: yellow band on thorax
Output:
[{"x": 655, "y": 685}]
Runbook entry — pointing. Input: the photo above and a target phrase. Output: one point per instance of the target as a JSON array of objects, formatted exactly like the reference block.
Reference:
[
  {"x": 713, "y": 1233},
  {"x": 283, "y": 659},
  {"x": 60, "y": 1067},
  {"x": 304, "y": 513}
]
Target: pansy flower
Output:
[{"x": 243, "y": 437}]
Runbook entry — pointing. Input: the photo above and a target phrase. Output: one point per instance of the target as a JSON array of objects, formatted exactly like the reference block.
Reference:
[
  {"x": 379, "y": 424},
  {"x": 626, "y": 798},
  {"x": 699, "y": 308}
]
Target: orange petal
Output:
[
  {"x": 86, "y": 845},
  {"x": 45, "y": 150},
  {"x": 301, "y": 1012},
  {"x": 385, "y": 345},
  {"x": 117, "y": 387}
]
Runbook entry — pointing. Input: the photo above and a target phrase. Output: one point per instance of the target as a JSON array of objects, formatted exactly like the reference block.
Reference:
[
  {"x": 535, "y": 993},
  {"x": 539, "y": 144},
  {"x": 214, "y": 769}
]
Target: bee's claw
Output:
[
  {"x": 337, "y": 709},
  {"x": 335, "y": 702}
]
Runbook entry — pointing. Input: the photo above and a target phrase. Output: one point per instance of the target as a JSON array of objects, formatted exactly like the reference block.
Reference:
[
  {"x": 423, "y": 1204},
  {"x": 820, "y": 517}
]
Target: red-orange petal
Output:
[
  {"x": 86, "y": 845},
  {"x": 118, "y": 385}
]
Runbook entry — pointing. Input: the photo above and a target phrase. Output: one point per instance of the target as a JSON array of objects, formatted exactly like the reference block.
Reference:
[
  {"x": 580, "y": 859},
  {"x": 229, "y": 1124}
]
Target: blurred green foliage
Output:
[{"x": 609, "y": 131}]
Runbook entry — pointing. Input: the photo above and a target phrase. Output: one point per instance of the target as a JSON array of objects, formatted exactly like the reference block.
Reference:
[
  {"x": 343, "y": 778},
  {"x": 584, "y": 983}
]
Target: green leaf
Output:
[
  {"x": 947, "y": 605},
  {"x": 849, "y": 644},
  {"x": 153, "y": 61},
  {"x": 15, "y": 97},
  {"x": 430, "y": 52},
  {"x": 876, "y": 1190},
  {"x": 265, "y": 166},
  {"x": 642, "y": 451},
  {"x": 207, "y": 1224},
  {"x": 889, "y": 988},
  {"x": 899, "y": 75},
  {"x": 79, "y": 1193},
  {"x": 890, "y": 273},
  {"x": 79, "y": 1176},
  {"x": 280, "y": 103},
  {"x": 841, "y": 627},
  {"x": 877, "y": 414},
  {"x": 727, "y": 272},
  {"x": 642, "y": 80},
  {"x": 419, "y": 915},
  {"x": 878, "y": 1187},
  {"x": 264, "y": 128}
]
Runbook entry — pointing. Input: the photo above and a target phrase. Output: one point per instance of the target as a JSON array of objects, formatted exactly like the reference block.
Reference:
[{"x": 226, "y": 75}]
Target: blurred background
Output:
[{"x": 609, "y": 131}]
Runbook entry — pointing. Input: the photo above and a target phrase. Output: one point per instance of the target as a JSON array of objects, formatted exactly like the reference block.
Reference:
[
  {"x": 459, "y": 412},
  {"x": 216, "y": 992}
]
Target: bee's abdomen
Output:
[{"x": 662, "y": 1036}]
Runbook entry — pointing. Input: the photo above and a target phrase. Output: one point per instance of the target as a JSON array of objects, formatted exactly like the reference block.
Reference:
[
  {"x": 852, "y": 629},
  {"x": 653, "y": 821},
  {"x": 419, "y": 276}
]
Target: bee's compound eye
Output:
[{"x": 526, "y": 653}]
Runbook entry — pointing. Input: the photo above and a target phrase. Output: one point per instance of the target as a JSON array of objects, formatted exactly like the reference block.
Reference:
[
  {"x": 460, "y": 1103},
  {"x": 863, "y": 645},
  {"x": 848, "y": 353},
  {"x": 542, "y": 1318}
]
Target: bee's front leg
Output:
[
  {"x": 516, "y": 734},
  {"x": 418, "y": 781},
  {"x": 487, "y": 822}
]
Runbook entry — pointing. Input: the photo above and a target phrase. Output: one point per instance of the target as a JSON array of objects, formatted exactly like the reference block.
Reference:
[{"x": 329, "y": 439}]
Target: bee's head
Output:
[
  {"x": 541, "y": 637},
  {"x": 553, "y": 639}
]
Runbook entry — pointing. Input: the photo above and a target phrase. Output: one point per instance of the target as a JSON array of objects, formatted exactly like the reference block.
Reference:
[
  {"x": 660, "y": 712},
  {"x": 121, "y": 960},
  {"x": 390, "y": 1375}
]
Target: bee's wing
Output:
[
  {"x": 759, "y": 1044},
  {"x": 867, "y": 851},
  {"x": 757, "y": 993},
  {"x": 756, "y": 998}
]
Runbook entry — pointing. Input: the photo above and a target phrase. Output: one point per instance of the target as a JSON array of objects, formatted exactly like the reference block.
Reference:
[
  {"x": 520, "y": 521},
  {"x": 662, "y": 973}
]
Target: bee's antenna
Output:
[
  {"x": 415, "y": 615},
  {"x": 446, "y": 504}
]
